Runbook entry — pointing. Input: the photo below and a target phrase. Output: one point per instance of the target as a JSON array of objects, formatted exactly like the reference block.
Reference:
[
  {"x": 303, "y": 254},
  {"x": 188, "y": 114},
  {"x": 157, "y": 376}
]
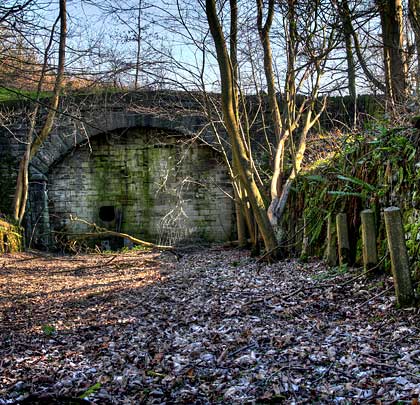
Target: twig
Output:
[
  {"x": 391, "y": 366},
  {"x": 85, "y": 267},
  {"x": 364, "y": 273},
  {"x": 324, "y": 374},
  {"x": 242, "y": 349},
  {"x": 375, "y": 296}
]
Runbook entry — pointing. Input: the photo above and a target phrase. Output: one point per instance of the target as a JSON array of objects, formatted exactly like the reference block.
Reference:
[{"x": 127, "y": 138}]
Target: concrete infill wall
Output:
[
  {"x": 148, "y": 183},
  {"x": 82, "y": 129}
]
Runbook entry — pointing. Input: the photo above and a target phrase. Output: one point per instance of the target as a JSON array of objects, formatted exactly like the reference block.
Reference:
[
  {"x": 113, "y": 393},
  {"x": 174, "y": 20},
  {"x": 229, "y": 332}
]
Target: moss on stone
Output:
[
  {"x": 166, "y": 189},
  {"x": 11, "y": 239}
]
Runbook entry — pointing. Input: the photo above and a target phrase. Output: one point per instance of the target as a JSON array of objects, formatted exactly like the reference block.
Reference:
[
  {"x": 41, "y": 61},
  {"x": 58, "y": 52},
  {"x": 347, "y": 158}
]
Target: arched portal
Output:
[{"x": 152, "y": 183}]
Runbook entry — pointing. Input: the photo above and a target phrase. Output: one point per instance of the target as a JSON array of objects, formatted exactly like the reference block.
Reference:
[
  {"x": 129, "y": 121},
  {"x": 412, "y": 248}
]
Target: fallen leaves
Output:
[{"x": 215, "y": 327}]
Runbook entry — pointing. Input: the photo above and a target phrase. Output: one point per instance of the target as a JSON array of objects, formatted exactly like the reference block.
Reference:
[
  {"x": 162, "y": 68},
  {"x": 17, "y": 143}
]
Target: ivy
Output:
[{"x": 376, "y": 168}]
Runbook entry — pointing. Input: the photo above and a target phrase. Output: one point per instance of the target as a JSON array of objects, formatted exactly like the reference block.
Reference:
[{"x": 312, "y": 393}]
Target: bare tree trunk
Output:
[
  {"x": 233, "y": 48},
  {"x": 391, "y": 14},
  {"x": 138, "y": 50},
  {"x": 21, "y": 192},
  {"x": 22, "y": 182},
  {"x": 279, "y": 204},
  {"x": 345, "y": 16},
  {"x": 46, "y": 129},
  {"x": 232, "y": 126},
  {"x": 243, "y": 213},
  {"x": 363, "y": 64},
  {"x": 285, "y": 127},
  {"x": 414, "y": 16},
  {"x": 264, "y": 34}
]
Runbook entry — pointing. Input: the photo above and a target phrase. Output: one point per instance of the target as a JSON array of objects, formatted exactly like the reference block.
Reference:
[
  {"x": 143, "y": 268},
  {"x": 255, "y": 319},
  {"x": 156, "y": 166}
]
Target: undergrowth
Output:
[{"x": 375, "y": 169}]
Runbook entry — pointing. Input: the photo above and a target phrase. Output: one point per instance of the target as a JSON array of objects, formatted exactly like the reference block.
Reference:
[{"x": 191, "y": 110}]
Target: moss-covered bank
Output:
[
  {"x": 376, "y": 169},
  {"x": 11, "y": 239}
]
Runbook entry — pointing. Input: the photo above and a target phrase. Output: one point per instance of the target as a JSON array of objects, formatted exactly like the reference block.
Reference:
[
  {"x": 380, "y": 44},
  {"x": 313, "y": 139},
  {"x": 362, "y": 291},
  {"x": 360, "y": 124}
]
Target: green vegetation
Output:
[
  {"x": 48, "y": 330},
  {"x": 17, "y": 94},
  {"x": 11, "y": 237},
  {"x": 375, "y": 169},
  {"x": 91, "y": 390}
]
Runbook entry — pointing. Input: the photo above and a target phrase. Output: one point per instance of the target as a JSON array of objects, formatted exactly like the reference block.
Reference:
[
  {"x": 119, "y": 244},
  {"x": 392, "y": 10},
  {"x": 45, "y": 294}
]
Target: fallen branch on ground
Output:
[{"x": 99, "y": 231}]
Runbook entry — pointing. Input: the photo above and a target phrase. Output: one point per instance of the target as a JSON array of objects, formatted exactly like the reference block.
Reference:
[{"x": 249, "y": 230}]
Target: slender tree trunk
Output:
[
  {"x": 49, "y": 121},
  {"x": 345, "y": 16},
  {"x": 351, "y": 71},
  {"x": 280, "y": 191},
  {"x": 242, "y": 211},
  {"x": 233, "y": 48},
  {"x": 232, "y": 126},
  {"x": 414, "y": 16},
  {"x": 363, "y": 64},
  {"x": 391, "y": 13},
  {"x": 264, "y": 34},
  {"x": 280, "y": 202},
  {"x": 138, "y": 50},
  {"x": 245, "y": 214},
  {"x": 33, "y": 145}
]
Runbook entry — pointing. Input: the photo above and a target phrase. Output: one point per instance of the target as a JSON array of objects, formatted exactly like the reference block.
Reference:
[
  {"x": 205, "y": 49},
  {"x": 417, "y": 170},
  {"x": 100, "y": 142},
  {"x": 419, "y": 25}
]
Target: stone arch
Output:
[
  {"x": 67, "y": 140},
  {"x": 72, "y": 132}
]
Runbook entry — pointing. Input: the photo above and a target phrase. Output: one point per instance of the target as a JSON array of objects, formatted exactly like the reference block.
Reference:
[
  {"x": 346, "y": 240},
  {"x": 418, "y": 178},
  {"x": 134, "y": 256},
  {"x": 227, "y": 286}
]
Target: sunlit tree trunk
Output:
[
  {"x": 290, "y": 125},
  {"x": 243, "y": 213},
  {"x": 414, "y": 16},
  {"x": 33, "y": 145},
  {"x": 230, "y": 118},
  {"x": 264, "y": 34}
]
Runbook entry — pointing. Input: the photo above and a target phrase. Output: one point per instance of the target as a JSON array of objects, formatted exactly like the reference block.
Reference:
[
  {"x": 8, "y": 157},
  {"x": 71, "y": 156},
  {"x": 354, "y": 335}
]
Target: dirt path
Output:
[{"x": 214, "y": 327}]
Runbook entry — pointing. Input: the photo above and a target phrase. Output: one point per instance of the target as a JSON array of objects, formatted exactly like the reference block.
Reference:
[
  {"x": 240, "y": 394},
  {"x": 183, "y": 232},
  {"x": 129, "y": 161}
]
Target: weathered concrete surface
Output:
[{"x": 153, "y": 185}]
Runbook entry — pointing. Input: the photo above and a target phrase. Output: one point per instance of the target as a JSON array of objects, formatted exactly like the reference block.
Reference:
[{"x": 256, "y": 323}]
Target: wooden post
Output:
[
  {"x": 343, "y": 238},
  {"x": 299, "y": 236},
  {"x": 399, "y": 258},
  {"x": 331, "y": 254},
  {"x": 240, "y": 223},
  {"x": 370, "y": 252},
  {"x": 305, "y": 241}
]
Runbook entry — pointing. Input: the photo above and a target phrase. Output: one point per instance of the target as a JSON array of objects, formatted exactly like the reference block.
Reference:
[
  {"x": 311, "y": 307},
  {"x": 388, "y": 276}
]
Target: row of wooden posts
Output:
[{"x": 338, "y": 242}]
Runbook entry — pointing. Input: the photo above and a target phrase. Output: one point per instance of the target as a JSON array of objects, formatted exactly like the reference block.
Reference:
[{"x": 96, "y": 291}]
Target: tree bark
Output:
[
  {"x": 345, "y": 16},
  {"x": 391, "y": 13},
  {"x": 22, "y": 182},
  {"x": 370, "y": 76},
  {"x": 278, "y": 204},
  {"x": 46, "y": 129},
  {"x": 232, "y": 126},
  {"x": 264, "y": 34},
  {"x": 414, "y": 16}
]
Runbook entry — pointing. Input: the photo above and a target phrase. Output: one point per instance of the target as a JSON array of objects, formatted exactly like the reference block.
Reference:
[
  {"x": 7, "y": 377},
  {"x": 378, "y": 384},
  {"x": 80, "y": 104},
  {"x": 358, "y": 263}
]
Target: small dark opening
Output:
[{"x": 107, "y": 213}]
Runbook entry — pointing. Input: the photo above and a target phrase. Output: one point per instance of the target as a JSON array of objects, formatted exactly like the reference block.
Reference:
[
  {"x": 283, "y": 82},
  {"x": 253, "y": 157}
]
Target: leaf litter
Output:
[{"x": 214, "y": 327}]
